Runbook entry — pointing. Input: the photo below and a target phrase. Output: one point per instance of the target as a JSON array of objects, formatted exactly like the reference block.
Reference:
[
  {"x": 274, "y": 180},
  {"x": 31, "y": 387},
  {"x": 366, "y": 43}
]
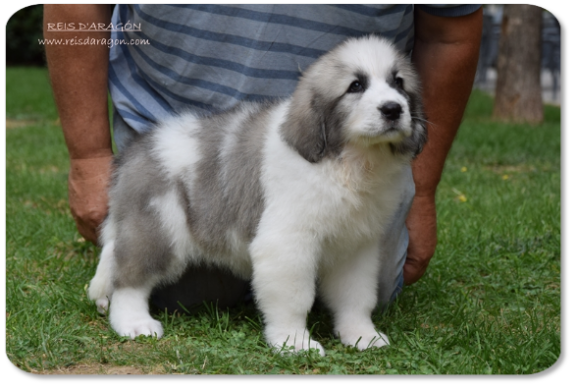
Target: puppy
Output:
[{"x": 292, "y": 194}]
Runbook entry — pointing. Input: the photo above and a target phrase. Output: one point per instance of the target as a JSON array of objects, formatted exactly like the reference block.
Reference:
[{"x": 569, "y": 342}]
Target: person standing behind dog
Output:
[{"x": 208, "y": 57}]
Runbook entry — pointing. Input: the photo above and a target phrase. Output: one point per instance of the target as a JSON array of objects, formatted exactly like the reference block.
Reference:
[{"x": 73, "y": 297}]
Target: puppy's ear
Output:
[
  {"x": 305, "y": 128},
  {"x": 419, "y": 135},
  {"x": 414, "y": 144}
]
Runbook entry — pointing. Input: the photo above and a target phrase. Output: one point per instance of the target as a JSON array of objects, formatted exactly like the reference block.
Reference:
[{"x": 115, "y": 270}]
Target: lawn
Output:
[{"x": 488, "y": 304}]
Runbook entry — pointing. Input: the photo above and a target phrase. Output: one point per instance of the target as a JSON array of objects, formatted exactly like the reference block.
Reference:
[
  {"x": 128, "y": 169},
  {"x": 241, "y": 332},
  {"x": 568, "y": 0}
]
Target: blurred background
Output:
[
  {"x": 25, "y": 28},
  {"x": 550, "y": 53}
]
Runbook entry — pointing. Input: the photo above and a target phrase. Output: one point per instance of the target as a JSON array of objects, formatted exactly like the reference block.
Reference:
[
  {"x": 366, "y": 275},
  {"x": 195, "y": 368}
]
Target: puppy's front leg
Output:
[
  {"x": 349, "y": 287},
  {"x": 284, "y": 284}
]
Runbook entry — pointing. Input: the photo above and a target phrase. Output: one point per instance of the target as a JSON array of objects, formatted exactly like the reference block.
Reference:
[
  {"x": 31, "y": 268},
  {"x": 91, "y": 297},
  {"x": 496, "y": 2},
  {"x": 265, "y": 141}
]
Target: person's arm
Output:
[
  {"x": 445, "y": 54},
  {"x": 79, "y": 78}
]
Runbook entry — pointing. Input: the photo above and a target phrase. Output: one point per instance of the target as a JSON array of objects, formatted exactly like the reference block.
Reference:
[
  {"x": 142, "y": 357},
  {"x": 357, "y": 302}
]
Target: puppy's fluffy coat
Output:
[{"x": 290, "y": 194}]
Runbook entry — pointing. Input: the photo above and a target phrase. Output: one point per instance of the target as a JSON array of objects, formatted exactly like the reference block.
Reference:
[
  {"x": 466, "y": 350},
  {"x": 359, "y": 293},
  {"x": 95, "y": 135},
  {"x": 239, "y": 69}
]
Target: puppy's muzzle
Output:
[{"x": 391, "y": 110}]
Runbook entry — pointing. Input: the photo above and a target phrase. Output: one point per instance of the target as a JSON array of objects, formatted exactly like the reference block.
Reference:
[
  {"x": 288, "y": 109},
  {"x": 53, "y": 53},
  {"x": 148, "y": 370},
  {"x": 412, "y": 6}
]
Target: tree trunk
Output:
[{"x": 518, "y": 92}]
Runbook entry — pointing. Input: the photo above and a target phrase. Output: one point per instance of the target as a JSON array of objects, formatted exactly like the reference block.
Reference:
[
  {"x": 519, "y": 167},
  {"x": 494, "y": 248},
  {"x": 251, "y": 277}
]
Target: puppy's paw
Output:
[
  {"x": 135, "y": 327},
  {"x": 287, "y": 344},
  {"x": 102, "y": 305},
  {"x": 99, "y": 290},
  {"x": 289, "y": 348},
  {"x": 363, "y": 341}
]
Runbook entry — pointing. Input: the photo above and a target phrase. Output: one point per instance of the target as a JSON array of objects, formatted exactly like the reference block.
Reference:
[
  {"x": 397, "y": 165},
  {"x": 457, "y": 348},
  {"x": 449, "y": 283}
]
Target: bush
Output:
[{"x": 22, "y": 33}]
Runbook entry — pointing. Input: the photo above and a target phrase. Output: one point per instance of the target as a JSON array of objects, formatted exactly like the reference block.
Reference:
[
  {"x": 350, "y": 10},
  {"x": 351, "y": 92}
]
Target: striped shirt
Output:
[{"x": 210, "y": 57}]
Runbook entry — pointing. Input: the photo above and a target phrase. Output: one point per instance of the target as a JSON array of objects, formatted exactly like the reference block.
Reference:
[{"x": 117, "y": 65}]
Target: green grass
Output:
[{"x": 488, "y": 304}]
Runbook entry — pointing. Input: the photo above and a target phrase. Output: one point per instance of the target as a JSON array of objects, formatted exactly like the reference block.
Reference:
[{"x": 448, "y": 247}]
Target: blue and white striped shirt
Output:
[{"x": 210, "y": 57}]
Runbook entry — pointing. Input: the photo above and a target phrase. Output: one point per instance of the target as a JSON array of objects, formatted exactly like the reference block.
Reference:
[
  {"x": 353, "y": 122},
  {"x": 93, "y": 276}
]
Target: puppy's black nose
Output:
[{"x": 392, "y": 111}]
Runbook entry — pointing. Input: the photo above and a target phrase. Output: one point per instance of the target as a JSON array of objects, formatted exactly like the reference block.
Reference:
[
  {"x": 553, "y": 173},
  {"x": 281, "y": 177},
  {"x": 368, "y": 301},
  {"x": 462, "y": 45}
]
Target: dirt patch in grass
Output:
[
  {"x": 101, "y": 369},
  {"x": 18, "y": 123},
  {"x": 13, "y": 123}
]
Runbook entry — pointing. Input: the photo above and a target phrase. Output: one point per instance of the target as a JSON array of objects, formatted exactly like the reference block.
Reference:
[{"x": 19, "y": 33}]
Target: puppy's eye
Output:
[
  {"x": 356, "y": 87},
  {"x": 399, "y": 82}
]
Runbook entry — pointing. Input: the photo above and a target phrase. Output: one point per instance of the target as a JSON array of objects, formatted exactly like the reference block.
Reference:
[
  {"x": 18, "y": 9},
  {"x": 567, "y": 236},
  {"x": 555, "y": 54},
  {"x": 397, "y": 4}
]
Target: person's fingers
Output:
[{"x": 88, "y": 194}]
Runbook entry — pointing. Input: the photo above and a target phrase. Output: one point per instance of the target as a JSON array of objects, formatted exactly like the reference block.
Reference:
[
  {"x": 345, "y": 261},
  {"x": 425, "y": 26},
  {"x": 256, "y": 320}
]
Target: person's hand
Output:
[
  {"x": 88, "y": 194},
  {"x": 422, "y": 225}
]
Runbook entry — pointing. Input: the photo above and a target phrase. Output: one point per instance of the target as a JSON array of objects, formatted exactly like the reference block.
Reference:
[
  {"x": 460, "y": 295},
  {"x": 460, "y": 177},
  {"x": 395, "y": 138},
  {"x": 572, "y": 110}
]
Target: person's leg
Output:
[
  {"x": 122, "y": 133},
  {"x": 201, "y": 283},
  {"x": 394, "y": 245}
]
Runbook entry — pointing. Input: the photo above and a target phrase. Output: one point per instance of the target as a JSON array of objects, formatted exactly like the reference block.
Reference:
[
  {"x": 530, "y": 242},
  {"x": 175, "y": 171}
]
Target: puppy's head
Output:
[{"x": 362, "y": 92}]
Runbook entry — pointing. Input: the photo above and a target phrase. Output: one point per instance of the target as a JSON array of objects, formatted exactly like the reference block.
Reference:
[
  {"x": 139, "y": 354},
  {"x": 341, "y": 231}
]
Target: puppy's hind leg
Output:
[
  {"x": 129, "y": 305},
  {"x": 100, "y": 288},
  {"x": 144, "y": 259},
  {"x": 129, "y": 314}
]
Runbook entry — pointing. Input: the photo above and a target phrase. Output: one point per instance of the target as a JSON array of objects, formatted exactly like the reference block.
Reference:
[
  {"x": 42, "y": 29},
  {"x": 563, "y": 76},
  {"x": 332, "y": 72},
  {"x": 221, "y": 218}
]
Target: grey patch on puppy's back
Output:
[
  {"x": 137, "y": 178},
  {"x": 227, "y": 193}
]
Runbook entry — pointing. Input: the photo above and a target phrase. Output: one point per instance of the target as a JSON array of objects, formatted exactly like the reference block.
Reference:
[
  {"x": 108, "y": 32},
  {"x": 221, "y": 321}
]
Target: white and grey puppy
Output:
[{"x": 292, "y": 195}]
